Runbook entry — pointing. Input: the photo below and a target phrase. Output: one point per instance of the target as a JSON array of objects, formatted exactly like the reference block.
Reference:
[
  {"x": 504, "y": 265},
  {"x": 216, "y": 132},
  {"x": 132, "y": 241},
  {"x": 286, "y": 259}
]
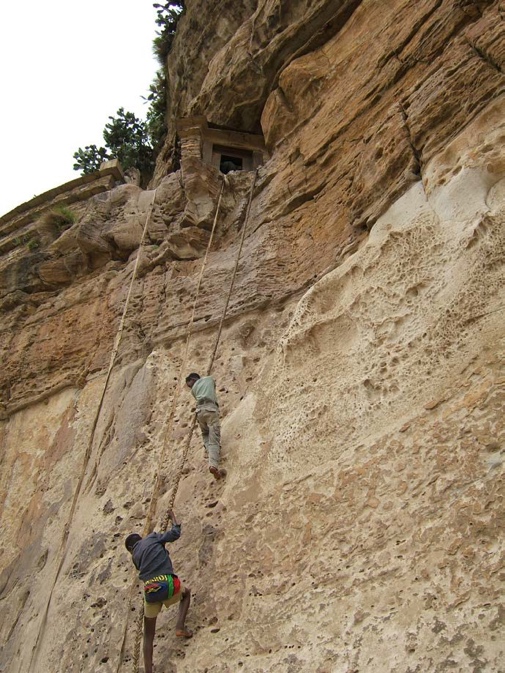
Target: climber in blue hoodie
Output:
[{"x": 162, "y": 587}]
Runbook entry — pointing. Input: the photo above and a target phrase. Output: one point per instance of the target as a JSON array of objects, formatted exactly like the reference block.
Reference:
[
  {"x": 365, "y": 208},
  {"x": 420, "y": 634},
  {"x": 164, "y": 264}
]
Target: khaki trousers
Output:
[{"x": 208, "y": 420}]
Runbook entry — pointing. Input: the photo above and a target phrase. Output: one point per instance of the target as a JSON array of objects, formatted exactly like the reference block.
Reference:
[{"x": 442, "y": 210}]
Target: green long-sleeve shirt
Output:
[{"x": 204, "y": 391}]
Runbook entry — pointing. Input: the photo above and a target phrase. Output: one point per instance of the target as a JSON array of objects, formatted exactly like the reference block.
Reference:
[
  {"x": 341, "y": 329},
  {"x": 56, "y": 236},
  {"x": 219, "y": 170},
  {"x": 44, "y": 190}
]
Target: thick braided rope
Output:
[
  {"x": 166, "y": 518},
  {"x": 167, "y": 432},
  {"x": 232, "y": 282},
  {"x": 119, "y": 332},
  {"x": 63, "y": 549}
]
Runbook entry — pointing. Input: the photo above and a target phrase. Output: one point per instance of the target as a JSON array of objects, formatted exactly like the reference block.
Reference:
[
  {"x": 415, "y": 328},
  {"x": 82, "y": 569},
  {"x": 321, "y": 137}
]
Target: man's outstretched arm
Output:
[{"x": 175, "y": 532}]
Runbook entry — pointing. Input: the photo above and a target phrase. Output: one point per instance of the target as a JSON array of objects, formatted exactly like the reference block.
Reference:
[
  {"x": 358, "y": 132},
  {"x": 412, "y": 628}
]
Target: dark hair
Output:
[
  {"x": 132, "y": 540},
  {"x": 192, "y": 377}
]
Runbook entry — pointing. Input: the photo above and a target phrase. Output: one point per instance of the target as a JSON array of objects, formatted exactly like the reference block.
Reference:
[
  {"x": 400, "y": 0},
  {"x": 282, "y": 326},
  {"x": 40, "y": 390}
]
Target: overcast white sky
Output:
[{"x": 65, "y": 66}]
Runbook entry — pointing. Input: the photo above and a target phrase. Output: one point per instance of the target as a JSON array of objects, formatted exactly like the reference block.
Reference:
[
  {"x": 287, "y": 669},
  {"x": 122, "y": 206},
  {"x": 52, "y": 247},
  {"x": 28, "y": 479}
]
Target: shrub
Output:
[
  {"x": 89, "y": 159},
  {"x": 126, "y": 138},
  {"x": 156, "y": 113},
  {"x": 66, "y": 214},
  {"x": 133, "y": 141},
  {"x": 54, "y": 221},
  {"x": 167, "y": 17},
  {"x": 28, "y": 240},
  {"x": 33, "y": 244}
]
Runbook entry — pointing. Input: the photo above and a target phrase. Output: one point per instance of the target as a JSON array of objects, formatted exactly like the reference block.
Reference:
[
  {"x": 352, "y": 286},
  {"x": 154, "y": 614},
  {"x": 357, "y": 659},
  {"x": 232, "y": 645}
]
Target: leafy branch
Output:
[
  {"x": 126, "y": 138},
  {"x": 167, "y": 18},
  {"x": 133, "y": 141}
]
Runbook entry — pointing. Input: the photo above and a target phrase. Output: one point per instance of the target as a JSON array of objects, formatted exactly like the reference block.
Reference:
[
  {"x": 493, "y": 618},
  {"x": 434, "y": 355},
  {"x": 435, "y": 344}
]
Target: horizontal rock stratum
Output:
[{"x": 359, "y": 369}]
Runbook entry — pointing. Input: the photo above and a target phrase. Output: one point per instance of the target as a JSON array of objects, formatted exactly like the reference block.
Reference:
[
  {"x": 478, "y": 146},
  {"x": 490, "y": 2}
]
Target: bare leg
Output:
[
  {"x": 180, "y": 628},
  {"x": 149, "y": 631}
]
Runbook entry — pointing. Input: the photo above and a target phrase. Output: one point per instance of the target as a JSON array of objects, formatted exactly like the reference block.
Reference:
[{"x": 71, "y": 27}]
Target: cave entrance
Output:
[
  {"x": 231, "y": 159},
  {"x": 229, "y": 163},
  {"x": 226, "y": 149}
]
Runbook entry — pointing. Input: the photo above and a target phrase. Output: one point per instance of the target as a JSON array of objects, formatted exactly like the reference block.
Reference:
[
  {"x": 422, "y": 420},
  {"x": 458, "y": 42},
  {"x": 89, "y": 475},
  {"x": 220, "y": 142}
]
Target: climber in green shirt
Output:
[{"x": 207, "y": 415}]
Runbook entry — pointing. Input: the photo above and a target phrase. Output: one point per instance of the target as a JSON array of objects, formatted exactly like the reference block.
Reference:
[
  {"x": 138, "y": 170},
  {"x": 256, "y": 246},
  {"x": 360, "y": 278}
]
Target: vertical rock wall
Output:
[{"x": 360, "y": 369}]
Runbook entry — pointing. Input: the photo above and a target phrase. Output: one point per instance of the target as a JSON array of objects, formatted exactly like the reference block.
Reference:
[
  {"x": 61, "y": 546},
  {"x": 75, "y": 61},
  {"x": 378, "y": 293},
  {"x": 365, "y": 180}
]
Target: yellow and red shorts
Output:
[{"x": 164, "y": 590}]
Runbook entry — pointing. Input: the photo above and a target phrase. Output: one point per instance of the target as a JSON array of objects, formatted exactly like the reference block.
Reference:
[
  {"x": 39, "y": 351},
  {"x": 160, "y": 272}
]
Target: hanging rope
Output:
[
  {"x": 165, "y": 520},
  {"x": 63, "y": 549},
  {"x": 167, "y": 432},
  {"x": 242, "y": 237},
  {"x": 119, "y": 335}
]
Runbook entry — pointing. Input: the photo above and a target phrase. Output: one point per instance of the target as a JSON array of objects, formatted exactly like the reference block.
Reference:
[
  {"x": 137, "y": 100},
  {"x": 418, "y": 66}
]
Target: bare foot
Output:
[{"x": 183, "y": 633}]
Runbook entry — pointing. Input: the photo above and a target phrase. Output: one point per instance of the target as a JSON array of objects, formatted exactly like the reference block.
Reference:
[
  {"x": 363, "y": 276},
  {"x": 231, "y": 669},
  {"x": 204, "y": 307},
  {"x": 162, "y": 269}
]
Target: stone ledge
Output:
[{"x": 25, "y": 212}]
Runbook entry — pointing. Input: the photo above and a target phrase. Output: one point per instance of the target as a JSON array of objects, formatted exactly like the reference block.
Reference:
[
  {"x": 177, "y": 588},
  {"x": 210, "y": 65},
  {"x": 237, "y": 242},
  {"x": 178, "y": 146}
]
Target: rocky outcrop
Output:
[{"x": 360, "y": 367}]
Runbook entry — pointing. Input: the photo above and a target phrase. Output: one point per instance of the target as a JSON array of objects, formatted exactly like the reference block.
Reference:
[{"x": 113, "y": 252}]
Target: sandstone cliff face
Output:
[{"x": 360, "y": 369}]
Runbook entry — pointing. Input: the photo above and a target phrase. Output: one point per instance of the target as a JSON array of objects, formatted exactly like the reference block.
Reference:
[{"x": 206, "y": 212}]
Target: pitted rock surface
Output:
[{"x": 359, "y": 372}]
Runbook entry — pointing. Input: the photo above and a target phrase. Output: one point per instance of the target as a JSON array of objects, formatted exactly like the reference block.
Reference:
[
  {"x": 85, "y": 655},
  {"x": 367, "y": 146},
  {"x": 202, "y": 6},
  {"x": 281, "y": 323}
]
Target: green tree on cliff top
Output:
[
  {"x": 126, "y": 138},
  {"x": 133, "y": 141}
]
